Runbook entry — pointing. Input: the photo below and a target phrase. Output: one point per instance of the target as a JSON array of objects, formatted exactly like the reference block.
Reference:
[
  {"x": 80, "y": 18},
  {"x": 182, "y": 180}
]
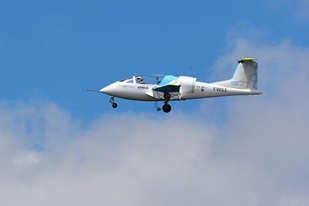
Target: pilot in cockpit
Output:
[{"x": 140, "y": 80}]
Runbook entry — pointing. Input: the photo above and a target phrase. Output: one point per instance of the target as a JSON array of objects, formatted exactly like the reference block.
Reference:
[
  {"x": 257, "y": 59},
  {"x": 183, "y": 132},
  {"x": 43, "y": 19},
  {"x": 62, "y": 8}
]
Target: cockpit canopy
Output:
[{"x": 144, "y": 79}]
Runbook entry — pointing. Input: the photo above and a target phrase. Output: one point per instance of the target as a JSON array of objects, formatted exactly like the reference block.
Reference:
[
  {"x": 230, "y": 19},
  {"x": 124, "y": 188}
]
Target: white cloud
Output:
[{"x": 259, "y": 157}]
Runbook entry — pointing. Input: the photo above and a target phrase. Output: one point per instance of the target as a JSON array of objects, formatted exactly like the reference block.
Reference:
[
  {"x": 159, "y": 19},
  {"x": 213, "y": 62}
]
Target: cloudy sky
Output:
[{"x": 62, "y": 146}]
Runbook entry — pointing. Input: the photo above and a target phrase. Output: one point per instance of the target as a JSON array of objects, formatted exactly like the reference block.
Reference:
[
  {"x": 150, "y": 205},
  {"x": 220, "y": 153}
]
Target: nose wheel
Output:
[
  {"x": 114, "y": 105},
  {"x": 112, "y": 101}
]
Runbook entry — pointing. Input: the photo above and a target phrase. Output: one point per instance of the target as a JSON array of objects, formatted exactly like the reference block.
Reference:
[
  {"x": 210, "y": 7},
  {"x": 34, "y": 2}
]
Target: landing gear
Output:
[
  {"x": 166, "y": 107},
  {"x": 156, "y": 106},
  {"x": 114, "y": 105}
]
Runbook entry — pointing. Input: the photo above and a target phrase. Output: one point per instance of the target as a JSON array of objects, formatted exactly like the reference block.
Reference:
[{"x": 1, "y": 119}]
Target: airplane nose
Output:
[
  {"x": 108, "y": 90},
  {"x": 105, "y": 90}
]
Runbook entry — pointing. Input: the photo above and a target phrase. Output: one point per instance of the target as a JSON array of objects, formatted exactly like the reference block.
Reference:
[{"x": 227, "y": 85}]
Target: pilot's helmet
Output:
[{"x": 140, "y": 78}]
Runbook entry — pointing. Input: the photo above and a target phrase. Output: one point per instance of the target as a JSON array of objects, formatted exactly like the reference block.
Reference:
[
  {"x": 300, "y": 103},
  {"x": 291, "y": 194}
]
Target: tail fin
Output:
[{"x": 245, "y": 76}]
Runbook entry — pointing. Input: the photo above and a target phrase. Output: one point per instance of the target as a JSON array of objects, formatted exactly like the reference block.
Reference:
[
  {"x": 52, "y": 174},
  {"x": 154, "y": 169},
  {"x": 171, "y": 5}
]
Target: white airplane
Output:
[{"x": 167, "y": 88}]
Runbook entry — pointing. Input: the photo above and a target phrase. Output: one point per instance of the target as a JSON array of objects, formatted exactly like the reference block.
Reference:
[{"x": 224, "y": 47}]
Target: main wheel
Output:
[
  {"x": 114, "y": 105},
  {"x": 166, "y": 108}
]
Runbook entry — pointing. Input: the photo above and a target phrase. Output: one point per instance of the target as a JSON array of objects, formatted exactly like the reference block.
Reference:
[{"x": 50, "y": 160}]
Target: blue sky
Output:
[
  {"x": 55, "y": 50},
  {"x": 60, "y": 145}
]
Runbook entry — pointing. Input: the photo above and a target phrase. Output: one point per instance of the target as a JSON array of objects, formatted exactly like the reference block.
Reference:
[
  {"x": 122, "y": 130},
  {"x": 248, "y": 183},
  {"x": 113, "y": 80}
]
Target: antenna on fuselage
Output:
[
  {"x": 190, "y": 70},
  {"x": 157, "y": 79}
]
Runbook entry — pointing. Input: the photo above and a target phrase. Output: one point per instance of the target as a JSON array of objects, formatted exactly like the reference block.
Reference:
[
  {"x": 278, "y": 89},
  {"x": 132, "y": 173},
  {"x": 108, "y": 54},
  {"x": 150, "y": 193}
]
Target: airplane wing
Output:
[{"x": 168, "y": 84}]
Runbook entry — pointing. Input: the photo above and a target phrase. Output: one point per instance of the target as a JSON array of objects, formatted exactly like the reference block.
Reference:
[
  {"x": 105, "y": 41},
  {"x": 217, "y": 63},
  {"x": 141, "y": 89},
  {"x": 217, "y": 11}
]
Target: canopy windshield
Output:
[{"x": 144, "y": 79}]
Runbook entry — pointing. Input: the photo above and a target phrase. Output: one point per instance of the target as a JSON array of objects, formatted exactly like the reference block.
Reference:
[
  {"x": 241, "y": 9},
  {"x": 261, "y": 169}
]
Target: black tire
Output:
[
  {"x": 114, "y": 105},
  {"x": 166, "y": 108}
]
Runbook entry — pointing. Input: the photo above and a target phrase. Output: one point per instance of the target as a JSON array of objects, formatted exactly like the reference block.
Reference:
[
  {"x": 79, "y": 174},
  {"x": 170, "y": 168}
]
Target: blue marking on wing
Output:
[
  {"x": 166, "y": 85},
  {"x": 167, "y": 79}
]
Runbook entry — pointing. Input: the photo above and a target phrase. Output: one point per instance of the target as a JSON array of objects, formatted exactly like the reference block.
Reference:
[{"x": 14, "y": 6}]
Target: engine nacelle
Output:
[{"x": 187, "y": 85}]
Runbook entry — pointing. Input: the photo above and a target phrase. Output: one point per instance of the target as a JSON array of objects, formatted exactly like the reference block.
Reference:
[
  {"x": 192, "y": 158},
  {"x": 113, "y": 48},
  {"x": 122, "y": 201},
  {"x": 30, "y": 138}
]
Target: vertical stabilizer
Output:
[{"x": 245, "y": 76}]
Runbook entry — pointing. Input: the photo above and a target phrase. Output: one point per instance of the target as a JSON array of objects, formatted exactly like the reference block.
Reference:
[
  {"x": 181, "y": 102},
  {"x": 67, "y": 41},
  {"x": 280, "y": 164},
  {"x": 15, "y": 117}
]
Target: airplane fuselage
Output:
[
  {"x": 170, "y": 88},
  {"x": 145, "y": 92}
]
